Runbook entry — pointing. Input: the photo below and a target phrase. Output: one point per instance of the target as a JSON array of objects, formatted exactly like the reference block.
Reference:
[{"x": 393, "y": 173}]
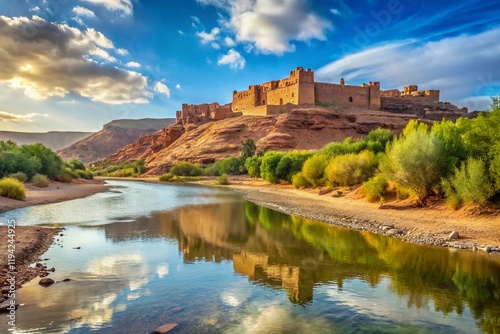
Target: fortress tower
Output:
[{"x": 299, "y": 88}]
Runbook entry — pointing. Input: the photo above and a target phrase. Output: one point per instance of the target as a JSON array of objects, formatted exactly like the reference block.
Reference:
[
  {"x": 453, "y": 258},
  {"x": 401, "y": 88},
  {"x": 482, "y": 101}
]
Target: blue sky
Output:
[{"x": 77, "y": 64}]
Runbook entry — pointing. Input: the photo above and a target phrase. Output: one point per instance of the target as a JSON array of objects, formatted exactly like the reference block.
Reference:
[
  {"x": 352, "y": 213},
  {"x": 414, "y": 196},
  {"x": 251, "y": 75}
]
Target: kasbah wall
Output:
[{"x": 278, "y": 96}]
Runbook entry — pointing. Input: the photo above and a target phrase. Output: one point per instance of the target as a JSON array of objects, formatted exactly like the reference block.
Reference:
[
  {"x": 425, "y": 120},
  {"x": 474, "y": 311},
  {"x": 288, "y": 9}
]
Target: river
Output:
[{"x": 211, "y": 262}]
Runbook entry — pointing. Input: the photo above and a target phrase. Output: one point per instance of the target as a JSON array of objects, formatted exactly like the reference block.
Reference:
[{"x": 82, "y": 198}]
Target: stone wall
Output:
[
  {"x": 412, "y": 92},
  {"x": 195, "y": 113},
  {"x": 300, "y": 89},
  {"x": 366, "y": 96}
]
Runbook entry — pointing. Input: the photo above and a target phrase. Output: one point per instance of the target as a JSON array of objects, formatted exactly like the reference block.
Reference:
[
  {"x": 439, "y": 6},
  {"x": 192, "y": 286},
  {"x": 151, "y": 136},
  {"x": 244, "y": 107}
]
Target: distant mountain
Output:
[
  {"x": 112, "y": 137},
  {"x": 53, "y": 139}
]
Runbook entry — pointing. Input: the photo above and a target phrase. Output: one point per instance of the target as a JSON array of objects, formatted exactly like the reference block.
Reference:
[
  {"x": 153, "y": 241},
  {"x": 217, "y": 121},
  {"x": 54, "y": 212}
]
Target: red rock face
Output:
[
  {"x": 112, "y": 137},
  {"x": 303, "y": 128}
]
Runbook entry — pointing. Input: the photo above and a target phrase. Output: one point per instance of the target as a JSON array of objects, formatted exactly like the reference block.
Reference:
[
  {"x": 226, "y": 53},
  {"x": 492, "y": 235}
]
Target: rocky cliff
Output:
[
  {"x": 303, "y": 128},
  {"x": 112, "y": 137}
]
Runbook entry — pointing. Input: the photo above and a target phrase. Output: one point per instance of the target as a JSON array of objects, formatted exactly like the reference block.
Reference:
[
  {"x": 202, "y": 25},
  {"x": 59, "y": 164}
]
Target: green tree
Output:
[
  {"x": 470, "y": 183},
  {"x": 75, "y": 164},
  {"x": 451, "y": 137},
  {"x": 314, "y": 169},
  {"x": 252, "y": 165},
  {"x": 415, "y": 161},
  {"x": 270, "y": 161},
  {"x": 52, "y": 164},
  {"x": 290, "y": 164},
  {"x": 248, "y": 149},
  {"x": 351, "y": 169},
  {"x": 230, "y": 165}
]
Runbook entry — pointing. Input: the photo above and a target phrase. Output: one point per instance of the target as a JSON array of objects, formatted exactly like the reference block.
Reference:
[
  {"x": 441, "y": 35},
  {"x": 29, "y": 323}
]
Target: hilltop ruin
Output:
[{"x": 299, "y": 89}]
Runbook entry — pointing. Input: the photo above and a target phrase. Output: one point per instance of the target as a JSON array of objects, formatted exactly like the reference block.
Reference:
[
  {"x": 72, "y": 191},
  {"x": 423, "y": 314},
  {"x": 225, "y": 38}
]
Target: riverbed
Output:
[{"x": 142, "y": 255}]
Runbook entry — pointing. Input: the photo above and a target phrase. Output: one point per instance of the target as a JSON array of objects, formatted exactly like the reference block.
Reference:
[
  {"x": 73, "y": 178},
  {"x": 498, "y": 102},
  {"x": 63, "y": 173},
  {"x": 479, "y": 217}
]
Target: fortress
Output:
[{"x": 279, "y": 96}]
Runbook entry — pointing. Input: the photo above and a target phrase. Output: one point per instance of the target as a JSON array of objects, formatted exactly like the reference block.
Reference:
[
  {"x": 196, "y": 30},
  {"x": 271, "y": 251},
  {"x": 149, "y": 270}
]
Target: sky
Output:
[{"x": 74, "y": 65}]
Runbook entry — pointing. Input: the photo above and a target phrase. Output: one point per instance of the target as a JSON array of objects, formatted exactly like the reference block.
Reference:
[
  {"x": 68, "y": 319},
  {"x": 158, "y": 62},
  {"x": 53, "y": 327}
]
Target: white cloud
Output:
[
  {"x": 133, "y": 64},
  {"x": 82, "y": 11},
  {"x": 335, "y": 11},
  {"x": 196, "y": 21},
  {"x": 6, "y": 116},
  {"x": 208, "y": 37},
  {"x": 180, "y": 32},
  {"x": 122, "y": 52},
  {"x": 123, "y": 6},
  {"x": 229, "y": 41},
  {"x": 178, "y": 86},
  {"x": 232, "y": 58},
  {"x": 271, "y": 25},
  {"x": 215, "y": 45},
  {"x": 162, "y": 88},
  {"x": 58, "y": 60},
  {"x": 35, "y": 9},
  {"x": 465, "y": 68}
]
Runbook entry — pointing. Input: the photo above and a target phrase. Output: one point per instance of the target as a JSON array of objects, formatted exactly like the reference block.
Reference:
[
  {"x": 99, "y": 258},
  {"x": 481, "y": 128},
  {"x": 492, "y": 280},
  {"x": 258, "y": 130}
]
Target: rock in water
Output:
[
  {"x": 453, "y": 236},
  {"x": 165, "y": 328},
  {"x": 46, "y": 281}
]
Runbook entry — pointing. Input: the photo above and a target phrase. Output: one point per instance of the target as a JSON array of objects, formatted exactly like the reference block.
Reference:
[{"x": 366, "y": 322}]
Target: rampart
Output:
[
  {"x": 412, "y": 93},
  {"x": 299, "y": 89}
]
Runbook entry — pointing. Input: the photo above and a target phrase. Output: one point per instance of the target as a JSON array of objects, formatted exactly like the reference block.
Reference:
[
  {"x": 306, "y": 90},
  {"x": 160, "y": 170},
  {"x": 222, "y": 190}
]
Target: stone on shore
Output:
[
  {"x": 165, "y": 328},
  {"x": 453, "y": 236},
  {"x": 46, "y": 281},
  {"x": 325, "y": 191}
]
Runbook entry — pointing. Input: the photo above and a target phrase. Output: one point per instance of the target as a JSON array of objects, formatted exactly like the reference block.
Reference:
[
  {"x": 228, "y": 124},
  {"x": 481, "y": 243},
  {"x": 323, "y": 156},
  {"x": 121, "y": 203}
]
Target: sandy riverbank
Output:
[
  {"x": 430, "y": 225},
  {"x": 33, "y": 241},
  {"x": 30, "y": 243},
  {"x": 55, "y": 192}
]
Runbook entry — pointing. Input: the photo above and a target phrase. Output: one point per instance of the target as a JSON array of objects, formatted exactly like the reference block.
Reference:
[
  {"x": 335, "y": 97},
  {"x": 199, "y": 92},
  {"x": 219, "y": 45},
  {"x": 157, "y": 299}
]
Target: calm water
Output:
[{"x": 213, "y": 263}]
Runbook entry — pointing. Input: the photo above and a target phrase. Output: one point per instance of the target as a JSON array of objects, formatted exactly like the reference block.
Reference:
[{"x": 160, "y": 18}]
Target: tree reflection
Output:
[{"x": 297, "y": 254}]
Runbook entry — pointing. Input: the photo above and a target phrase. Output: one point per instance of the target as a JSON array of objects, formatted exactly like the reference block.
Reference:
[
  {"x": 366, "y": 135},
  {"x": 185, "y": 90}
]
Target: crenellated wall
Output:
[
  {"x": 411, "y": 92},
  {"x": 299, "y": 89}
]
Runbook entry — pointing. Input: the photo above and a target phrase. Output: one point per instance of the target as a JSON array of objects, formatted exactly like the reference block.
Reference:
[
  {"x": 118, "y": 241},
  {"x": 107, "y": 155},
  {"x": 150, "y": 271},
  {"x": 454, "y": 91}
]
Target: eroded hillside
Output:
[
  {"x": 302, "y": 128},
  {"x": 113, "y": 136}
]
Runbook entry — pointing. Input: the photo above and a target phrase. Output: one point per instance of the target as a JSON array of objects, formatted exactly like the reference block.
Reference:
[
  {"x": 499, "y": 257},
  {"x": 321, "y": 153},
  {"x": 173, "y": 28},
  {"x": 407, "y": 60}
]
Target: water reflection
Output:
[
  {"x": 298, "y": 254},
  {"x": 229, "y": 266}
]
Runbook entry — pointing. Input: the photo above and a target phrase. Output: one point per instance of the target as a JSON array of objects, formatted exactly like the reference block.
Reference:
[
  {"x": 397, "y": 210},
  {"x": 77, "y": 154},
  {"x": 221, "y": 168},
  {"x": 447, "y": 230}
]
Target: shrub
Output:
[
  {"x": 314, "y": 169},
  {"x": 166, "y": 177},
  {"x": 290, "y": 164},
  {"x": 186, "y": 169},
  {"x": 73, "y": 174},
  {"x": 402, "y": 193},
  {"x": 138, "y": 166},
  {"x": 40, "y": 181},
  {"x": 469, "y": 184},
  {"x": 252, "y": 166},
  {"x": 12, "y": 188},
  {"x": 222, "y": 180},
  {"x": 64, "y": 177},
  {"x": 374, "y": 188},
  {"x": 351, "y": 169},
  {"x": 248, "y": 149},
  {"x": 52, "y": 164},
  {"x": 20, "y": 176},
  {"x": 415, "y": 161},
  {"x": 213, "y": 170},
  {"x": 299, "y": 181},
  {"x": 230, "y": 165},
  {"x": 124, "y": 172},
  {"x": 84, "y": 174},
  {"x": 270, "y": 161},
  {"x": 75, "y": 164}
]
